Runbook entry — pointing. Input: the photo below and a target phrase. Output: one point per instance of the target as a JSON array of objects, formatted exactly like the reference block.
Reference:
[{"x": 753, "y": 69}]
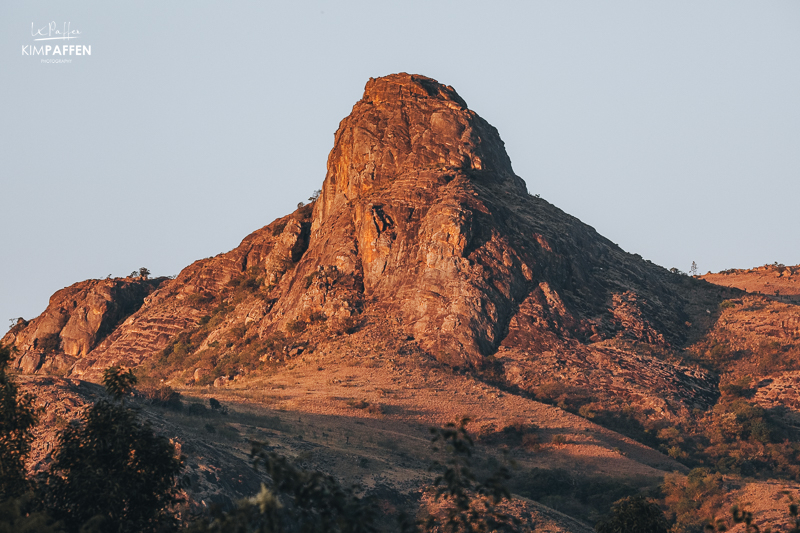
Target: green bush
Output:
[
  {"x": 162, "y": 396},
  {"x": 201, "y": 298},
  {"x": 18, "y": 416},
  {"x": 111, "y": 471},
  {"x": 470, "y": 504},
  {"x": 49, "y": 343},
  {"x": 278, "y": 228},
  {"x": 634, "y": 514}
]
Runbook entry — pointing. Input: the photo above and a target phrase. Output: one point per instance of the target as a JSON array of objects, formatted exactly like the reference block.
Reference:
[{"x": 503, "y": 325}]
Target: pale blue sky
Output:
[{"x": 671, "y": 127}]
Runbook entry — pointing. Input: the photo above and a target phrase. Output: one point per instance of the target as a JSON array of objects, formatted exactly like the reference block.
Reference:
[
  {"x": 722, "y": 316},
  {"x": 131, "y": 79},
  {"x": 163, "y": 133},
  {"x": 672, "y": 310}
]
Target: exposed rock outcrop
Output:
[
  {"x": 422, "y": 219},
  {"x": 420, "y": 203},
  {"x": 75, "y": 321}
]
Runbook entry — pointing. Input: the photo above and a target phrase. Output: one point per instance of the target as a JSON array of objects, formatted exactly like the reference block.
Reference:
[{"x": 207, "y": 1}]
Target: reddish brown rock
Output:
[
  {"x": 421, "y": 204},
  {"x": 421, "y": 220},
  {"x": 76, "y": 320}
]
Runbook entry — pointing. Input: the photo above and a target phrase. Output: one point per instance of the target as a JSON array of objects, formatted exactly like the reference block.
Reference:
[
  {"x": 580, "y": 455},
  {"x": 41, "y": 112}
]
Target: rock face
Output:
[
  {"x": 421, "y": 205},
  {"x": 75, "y": 321},
  {"x": 422, "y": 221}
]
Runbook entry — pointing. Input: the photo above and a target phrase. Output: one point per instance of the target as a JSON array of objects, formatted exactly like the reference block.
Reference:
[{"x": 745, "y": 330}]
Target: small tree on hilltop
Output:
[{"x": 144, "y": 273}]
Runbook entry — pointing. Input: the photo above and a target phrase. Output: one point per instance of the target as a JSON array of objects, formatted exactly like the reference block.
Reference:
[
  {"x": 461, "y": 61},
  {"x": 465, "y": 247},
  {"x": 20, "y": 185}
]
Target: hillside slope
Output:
[
  {"x": 424, "y": 284},
  {"x": 421, "y": 221}
]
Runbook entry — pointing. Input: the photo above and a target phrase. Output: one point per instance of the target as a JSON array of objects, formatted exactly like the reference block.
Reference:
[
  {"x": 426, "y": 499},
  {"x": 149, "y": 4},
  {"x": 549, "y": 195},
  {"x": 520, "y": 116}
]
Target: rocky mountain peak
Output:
[
  {"x": 396, "y": 87},
  {"x": 422, "y": 226},
  {"x": 411, "y": 128}
]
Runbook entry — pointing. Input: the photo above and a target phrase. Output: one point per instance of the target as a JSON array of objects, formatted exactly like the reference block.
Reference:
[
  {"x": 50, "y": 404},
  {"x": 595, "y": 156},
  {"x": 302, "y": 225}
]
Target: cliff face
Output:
[
  {"x": 422, "y": 222},
  {"x": 75, "y": 321},
  {"x": 421, "y": 205}
]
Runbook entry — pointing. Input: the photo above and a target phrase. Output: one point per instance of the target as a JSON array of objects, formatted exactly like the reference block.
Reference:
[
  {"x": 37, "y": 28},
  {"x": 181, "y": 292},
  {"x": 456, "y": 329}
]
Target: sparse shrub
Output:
[
  {"x": 228, "y": 432},
  {"x": 216, "y": 406},
  {"x": 237, "y": 332},
  {"x": 720, "y": 352},
  {"x": 565, "y": 397},
  {"x": 200, "y": 298},
  {"x": 741, "y": 516},
  {"x": 347, "y": 325},
  {"x": 677, "y": 453},
  {"x": 317, "y": 316},
  {"x": 162, "y": 396},
  {"x": 275, "y": 341},
  {"x": 310, "y": 278},
  {"x": 389, "y": 444},
  {"x": 295, "y": 326},
  {"x": 48, "y": 343},
  {"x": 273, "y": 422},
  {"x": 469, "y": 505},
  {"x": 252, "y": 283},
  {"x": 634, "y": 514},
  {"x": 737, "y": 389},
  {"x": 559, "y": 440},
  {"x": 376, "y": 409},
  {"x": 197, "y": 409},
  {"x": 304, "y": 211},
  {"x": 692, "y": 498},
  {"x": 17, "y": 324},
  {"x": 278, "y": 228},
  {"x": 514, "y": 426},
  {"x": 626, "y": 421},
  {"x": 358, "y": 404},
  {"x": 531, "y": 442},
  {"x": 514, "y": 432}
]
